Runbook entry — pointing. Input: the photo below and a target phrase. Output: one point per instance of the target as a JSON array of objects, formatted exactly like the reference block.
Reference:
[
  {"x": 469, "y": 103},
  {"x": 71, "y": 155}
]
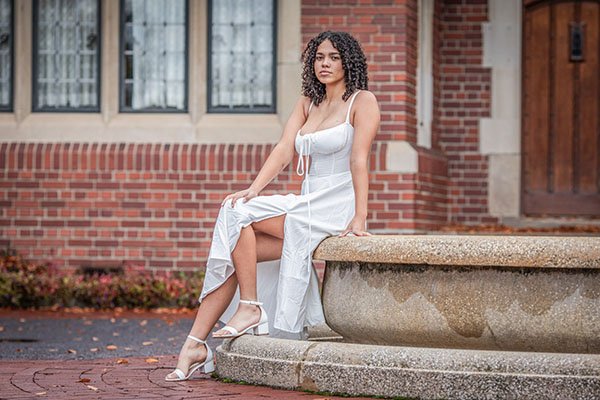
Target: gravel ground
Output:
[{"x": 44, "y": 336}]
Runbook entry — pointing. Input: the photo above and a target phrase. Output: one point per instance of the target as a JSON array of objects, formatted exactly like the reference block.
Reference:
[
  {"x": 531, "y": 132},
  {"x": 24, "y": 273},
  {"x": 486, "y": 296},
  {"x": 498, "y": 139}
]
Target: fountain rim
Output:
[{"x": 538, "y": 251}]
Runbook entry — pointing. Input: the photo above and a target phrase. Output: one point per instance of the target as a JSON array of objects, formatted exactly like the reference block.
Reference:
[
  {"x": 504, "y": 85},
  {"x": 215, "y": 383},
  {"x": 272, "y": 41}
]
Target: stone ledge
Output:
[
  {"x": 423, "y": 373},
  {"x": 466, "y": 250}
]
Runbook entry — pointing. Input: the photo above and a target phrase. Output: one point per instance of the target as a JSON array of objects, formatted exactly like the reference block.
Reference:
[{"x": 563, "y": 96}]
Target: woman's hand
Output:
[
  {"x": 245, "y": 195},
  {"x": 357, "y": 227}
]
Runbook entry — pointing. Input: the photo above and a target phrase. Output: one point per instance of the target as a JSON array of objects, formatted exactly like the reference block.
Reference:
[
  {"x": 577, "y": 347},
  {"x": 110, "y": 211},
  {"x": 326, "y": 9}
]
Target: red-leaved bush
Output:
[{"x": 24, "y": 285}]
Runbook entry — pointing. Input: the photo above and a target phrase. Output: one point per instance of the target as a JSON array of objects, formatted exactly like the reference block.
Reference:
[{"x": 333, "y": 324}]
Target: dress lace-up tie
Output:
[{"x": 302, "y": 168}]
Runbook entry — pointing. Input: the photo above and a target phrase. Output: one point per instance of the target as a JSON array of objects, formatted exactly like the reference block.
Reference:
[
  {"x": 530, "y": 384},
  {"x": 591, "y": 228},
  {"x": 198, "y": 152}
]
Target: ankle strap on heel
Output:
[
  {"x": 194, "y": 338},
  {"x": 251, "y": 302}
]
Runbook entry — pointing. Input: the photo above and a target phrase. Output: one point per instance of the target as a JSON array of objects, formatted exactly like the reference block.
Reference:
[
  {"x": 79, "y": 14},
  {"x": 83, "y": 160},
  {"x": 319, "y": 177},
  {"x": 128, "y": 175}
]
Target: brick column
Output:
[{"x": 464, "y": 98}]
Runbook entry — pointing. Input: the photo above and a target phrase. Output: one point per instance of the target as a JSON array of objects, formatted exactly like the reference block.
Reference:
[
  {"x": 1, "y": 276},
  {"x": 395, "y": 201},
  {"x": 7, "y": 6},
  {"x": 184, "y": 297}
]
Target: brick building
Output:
[{"x": 124, "y": 123}]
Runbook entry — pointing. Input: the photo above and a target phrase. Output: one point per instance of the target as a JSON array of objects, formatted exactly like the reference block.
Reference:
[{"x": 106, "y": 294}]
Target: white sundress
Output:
[{"x": 289, "y": 287}]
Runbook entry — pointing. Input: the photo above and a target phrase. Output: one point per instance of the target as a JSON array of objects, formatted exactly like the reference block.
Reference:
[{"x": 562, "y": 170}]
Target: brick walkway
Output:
[{"x": 131, "y": 378}]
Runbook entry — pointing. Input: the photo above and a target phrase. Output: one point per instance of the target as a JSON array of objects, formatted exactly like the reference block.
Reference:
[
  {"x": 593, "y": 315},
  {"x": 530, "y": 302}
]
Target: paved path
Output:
[
  {"x": 66, "y": 356},
  {"x": 135, "y": 379}
]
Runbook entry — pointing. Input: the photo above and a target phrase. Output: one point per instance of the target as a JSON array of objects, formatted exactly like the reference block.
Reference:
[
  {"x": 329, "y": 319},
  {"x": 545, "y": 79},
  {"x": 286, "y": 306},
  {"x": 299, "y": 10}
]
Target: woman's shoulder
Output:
[
  {"x": 304, "y": 103},
  {"x": 365, "y": 96},
  {"x": 365, "y": 103},
  {"x": 365, "y": 107}
]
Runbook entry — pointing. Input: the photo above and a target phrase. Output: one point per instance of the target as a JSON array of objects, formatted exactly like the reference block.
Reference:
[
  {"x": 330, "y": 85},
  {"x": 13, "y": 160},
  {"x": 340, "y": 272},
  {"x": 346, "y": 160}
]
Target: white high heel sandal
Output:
[
  {"x": 208, "y": 365},
  {"x": 260, "y": 328}
]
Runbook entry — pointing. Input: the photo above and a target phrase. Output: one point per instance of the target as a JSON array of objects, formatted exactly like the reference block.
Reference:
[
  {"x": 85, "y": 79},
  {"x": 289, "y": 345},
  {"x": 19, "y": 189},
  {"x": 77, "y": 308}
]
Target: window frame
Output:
[
  {"x": 153, "y": 110},
  {"x": 34, "y": 68},
  {"x": 11, "y": 43},
  {"x": 226, "y": 110}
]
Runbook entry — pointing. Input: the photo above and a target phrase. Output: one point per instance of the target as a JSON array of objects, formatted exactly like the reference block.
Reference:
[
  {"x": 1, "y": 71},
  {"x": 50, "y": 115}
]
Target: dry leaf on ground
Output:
[
  {"x": 41, "y": 393},
  {"x": 84, "y": 380},
  {"x": 147, "y": 343},
  {"x": 94, "y": 349},
  {"x": 143, "y": 323},
  {"x": 94, "y": 388},
  {"x": 72, "y": 351},
  {"x": 111, "y": 347},
  {"x": 151, "y": 360},
  {"x": 122, "y": 361}
]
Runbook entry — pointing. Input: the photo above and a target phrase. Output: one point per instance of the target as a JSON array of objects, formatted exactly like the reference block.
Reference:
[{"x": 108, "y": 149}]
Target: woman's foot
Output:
[
  {"x": 245, "y": 316},
  {"x": 192, "y": 352}
]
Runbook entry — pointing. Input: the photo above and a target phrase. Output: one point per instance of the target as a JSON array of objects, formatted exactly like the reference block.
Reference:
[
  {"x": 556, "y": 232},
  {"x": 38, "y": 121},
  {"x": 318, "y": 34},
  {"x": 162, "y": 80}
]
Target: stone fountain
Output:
[{"x": 443, "y": 316}]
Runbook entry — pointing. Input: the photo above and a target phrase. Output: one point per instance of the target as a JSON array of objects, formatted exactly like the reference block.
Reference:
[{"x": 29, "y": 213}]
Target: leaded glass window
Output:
[
  {"x": 154, "y": 55},
  {"x": 241, "y": 73},
  {"x": 6, "y": 54},
  {"x": 66, "y": 55}
]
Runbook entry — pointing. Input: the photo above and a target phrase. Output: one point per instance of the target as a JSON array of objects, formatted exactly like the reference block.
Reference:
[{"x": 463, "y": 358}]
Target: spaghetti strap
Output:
[{"x": 350, "y": 106}]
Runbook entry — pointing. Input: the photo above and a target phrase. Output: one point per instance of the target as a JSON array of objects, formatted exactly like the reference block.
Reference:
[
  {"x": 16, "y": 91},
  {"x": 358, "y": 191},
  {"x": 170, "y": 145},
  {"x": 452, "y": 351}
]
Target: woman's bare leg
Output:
[
  {"x": 267, "y": 248},
  {"x": 209, "y": 311},
  {"x": 245, "y": 258}
]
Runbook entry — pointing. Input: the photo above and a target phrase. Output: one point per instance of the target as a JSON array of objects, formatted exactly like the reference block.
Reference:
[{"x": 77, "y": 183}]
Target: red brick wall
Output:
[
  {"x": 432, "y": 191},
  {"x": 151, "y": 205},
  {"x": 436, "y": 72},
  {"x": 391, "y": 196},
  {"x": 147, "y": 204},
  {"x": 464, "y": 98}
]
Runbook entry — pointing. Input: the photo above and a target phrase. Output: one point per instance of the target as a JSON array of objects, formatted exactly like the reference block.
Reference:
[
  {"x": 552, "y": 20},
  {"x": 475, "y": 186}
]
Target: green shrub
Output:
[{"x": 24, "y": 285}]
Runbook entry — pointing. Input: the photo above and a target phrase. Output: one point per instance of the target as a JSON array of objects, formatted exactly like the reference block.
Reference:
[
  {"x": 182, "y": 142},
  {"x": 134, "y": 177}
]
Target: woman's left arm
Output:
[{"x": 366, "y": 123}]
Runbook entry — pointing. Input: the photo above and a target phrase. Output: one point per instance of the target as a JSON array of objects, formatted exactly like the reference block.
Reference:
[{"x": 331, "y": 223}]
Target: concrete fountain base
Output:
[
  {"x": 424, "y": 373},
  {"x": 514, "y": 293},
  {"x": 439, "y": 316}
]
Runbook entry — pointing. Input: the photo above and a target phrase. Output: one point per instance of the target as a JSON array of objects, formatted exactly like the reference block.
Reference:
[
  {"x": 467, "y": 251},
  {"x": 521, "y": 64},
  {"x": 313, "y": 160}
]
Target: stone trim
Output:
[
  {"x": 425, "y": 74},
  {"x": 500, "y": 135},
  {"x": 402, "y": 157}
]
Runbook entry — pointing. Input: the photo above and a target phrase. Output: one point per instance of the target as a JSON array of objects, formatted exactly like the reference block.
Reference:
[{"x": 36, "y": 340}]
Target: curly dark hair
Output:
[{"x": 354, "y": 63}]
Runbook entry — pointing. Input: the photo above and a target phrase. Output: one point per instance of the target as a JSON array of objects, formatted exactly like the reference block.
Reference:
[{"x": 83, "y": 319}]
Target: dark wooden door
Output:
[{"x": 561, "y": 131}]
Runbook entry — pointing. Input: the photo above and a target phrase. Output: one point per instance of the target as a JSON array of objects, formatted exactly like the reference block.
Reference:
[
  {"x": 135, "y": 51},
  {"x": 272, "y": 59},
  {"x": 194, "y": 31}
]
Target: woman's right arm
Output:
[{"x": 281, "y": 155}]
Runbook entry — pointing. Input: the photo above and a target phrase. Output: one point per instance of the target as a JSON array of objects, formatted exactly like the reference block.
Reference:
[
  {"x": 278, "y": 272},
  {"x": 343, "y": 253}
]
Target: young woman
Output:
[{"x": 331, "y": 128}]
